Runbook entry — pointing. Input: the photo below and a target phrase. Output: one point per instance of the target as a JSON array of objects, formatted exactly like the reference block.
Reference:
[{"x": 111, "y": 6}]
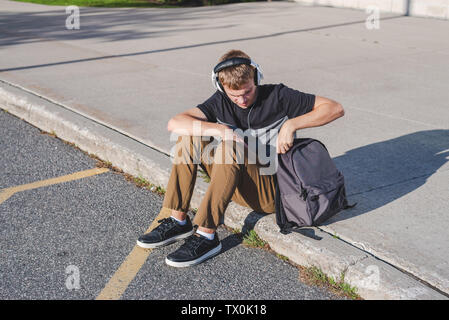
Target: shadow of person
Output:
[
  {"x": 231, "y": 241},
  {"x": 406, "y": 162},
  {"x": 234, "y": 240}
]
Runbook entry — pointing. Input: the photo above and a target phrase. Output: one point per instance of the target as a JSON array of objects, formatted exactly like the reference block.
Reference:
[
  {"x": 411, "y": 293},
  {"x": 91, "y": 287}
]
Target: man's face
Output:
[{"x": 243, "y": 97}]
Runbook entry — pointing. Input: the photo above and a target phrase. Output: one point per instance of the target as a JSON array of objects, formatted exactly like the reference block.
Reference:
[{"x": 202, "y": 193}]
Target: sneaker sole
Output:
[
  {"x": 205, "y": 256},
  {"x": 165, "y": 242}
]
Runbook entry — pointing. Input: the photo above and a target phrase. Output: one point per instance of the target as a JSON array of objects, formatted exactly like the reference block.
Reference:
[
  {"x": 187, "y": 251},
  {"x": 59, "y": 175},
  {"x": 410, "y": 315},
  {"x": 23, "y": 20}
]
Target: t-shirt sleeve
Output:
[
  {"x": 209, "y": 108},
  {"x": 296, "y": 103}
]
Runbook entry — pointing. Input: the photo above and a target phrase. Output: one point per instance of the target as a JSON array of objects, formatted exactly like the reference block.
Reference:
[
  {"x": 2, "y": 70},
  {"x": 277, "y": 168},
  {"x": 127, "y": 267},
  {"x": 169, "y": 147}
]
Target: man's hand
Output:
[
  {"x": 323, "y": 112},
  {"x": 285, "y": 137}
]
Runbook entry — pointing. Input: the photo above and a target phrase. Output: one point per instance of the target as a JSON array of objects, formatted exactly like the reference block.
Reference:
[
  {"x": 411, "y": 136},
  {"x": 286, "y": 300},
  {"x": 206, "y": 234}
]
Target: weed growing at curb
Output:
[
  {"x": 51, "y": 134},
  {"x": 252, "y": 239},
  {"x": 203, "y": 175},
  {"x": 142, "y": 183},
  {"x": 236, "y": 231},
  {"x": 283, "y": 258},
  {"x": 315, "y": 276},
  {"x": 103, "y": 164}
]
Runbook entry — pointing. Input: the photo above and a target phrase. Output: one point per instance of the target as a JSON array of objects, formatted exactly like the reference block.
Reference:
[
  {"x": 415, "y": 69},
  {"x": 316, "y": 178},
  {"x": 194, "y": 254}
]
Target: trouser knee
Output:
[
  {"x": 229, "y": 152},
  {"x": 187, "y": 150}
]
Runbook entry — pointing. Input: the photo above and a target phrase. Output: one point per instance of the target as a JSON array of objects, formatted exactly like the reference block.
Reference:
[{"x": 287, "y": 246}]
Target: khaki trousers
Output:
[{"x": 231, "y": 178}]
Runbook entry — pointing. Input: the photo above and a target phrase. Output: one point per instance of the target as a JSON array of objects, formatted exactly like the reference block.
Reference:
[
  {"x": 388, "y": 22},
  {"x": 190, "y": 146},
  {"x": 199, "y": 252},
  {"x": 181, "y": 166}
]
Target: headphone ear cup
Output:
[
  {"x": 216, "y": 81},
  {"x": 258, "y": 76},
  {"x": 219, "y": 86}
]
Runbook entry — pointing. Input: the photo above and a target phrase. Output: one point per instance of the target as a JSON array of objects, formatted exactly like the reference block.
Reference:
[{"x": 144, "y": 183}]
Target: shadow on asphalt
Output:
[{"x": 231, "y": 241}]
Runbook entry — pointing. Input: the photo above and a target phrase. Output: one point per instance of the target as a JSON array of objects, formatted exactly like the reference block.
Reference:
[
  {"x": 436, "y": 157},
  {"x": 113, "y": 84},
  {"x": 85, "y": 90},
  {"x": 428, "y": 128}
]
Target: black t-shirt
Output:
[
  {"x": 273, "y": 106},
  {"x": 259, "y": 124}
]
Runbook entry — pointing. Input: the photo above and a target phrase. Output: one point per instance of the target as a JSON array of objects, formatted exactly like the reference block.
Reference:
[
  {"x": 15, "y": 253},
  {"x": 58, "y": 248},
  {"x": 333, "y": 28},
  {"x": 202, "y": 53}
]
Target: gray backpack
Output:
[{"x": 309, "y": 187}]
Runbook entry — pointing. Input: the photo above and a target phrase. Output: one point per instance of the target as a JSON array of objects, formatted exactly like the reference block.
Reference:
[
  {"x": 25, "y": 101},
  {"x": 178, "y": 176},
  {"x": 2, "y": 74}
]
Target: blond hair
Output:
[{"x": 236, "y": 76}]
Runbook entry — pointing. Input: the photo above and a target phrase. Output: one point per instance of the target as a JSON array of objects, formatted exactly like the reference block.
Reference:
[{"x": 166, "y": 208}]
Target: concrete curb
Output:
[
  {"x": 438, "y": 9},
  {"x": 373, "y": 278}
]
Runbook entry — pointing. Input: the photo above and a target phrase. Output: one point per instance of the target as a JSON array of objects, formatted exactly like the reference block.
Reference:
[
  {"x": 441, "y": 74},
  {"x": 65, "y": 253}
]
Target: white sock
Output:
[
  {"x": 181, "y": 222},
  {"x": 209, "y": 236}
]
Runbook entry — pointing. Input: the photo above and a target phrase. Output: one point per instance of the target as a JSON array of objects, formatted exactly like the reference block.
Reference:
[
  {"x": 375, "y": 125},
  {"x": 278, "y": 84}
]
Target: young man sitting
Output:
[{"x": 240, "y": 108}]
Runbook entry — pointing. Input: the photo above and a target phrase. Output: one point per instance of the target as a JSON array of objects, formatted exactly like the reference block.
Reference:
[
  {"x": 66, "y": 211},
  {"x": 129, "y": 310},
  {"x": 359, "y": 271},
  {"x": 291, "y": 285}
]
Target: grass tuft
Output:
[
  {"x": 315, "y": 276},
  {"x": 203, "y": 175},
  {"x": 252, "y": 239},
  {"x": 143, "y": 183},
  {"x": 283, "y": 258}
]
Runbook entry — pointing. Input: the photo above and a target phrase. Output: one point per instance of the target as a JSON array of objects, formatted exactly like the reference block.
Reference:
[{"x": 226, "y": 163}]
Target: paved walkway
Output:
[{"x": 132, "y": 69}]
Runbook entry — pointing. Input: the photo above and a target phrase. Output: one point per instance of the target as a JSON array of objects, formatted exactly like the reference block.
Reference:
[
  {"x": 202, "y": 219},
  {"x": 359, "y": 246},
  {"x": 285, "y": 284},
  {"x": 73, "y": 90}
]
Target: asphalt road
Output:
[{"x": 65, "y": 240}]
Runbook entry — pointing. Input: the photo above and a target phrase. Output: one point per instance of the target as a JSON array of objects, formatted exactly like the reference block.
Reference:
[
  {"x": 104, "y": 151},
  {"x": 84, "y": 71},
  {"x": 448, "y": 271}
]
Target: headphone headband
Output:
[
  {"x": 234, "y": 62},
  {"x": 231, "y": 62}
]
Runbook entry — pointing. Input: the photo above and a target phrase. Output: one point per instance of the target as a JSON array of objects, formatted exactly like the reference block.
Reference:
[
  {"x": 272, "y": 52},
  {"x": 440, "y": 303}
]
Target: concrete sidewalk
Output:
[{"x": 111, "y": 87}]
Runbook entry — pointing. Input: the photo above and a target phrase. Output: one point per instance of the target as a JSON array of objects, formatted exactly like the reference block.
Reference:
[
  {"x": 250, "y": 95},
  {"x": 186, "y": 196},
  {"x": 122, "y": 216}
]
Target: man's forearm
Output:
[
  {"x": 321, "y": 115},
  {"x": 187, "y": 125}
]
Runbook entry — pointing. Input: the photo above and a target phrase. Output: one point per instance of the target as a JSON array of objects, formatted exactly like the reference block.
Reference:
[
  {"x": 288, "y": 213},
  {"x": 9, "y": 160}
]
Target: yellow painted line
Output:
[
  {"x": 8, "y": 192},
  {"x": 4, "y": 195},
  {"x": 118, "y": 283}
]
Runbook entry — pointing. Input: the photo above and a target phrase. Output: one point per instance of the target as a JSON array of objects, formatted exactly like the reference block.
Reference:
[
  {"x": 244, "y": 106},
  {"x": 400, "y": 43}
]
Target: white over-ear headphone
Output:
[{"x": 258, "y": 75}]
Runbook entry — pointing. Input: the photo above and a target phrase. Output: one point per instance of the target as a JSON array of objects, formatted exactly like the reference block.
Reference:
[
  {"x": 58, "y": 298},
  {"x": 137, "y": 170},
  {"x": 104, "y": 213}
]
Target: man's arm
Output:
[
  {"x": 193, "y": 122},
  {"x": 324, "y": 111}
]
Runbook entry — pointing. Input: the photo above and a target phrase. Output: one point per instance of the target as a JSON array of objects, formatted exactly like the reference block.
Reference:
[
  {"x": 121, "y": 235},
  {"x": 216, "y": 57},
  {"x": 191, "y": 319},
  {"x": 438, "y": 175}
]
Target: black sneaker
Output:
[
  {"x": 167, "y": 232},
  {"x": 195, "y": 250}
]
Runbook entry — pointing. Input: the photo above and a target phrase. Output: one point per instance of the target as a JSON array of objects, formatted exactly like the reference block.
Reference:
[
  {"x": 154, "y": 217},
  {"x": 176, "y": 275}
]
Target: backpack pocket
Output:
[
  {"x": 295, "y": 209},
  {"x": 324, "y": 203}
]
